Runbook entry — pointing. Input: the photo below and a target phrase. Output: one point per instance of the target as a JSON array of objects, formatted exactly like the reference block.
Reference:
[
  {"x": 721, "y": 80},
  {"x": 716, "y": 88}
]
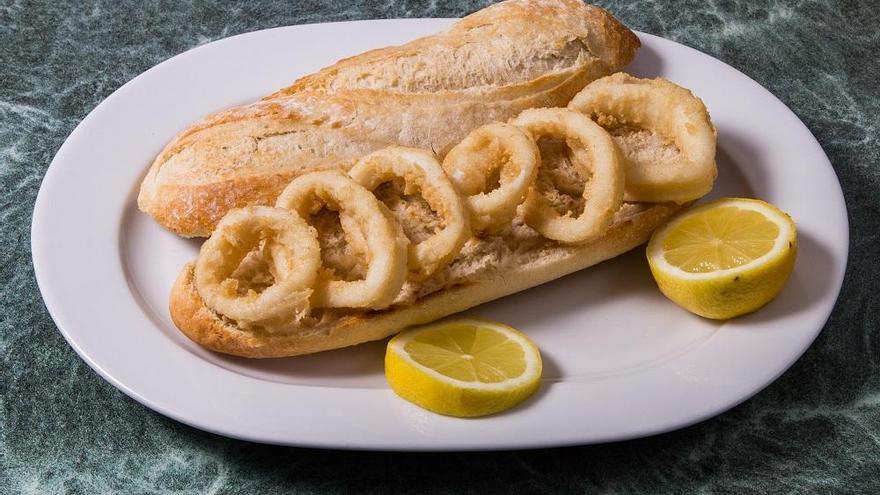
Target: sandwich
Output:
[{"x": 409, "y": 183}]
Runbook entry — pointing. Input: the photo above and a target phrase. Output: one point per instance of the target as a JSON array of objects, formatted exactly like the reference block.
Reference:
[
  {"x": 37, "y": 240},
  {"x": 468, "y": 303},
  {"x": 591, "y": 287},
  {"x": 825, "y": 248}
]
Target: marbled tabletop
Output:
[{"x": 65, "y": 430}]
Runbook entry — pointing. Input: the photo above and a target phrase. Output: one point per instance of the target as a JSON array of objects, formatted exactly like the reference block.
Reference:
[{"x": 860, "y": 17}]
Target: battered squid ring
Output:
[
  {"x": 420, "y": 173},
  {"x": 664, "y": 108},
  {"x": 595, "y": 156},
  {"x": 295, "y": 256},
  {"x": 382, "y": 238},
  {"x": 469, "y": 163}
]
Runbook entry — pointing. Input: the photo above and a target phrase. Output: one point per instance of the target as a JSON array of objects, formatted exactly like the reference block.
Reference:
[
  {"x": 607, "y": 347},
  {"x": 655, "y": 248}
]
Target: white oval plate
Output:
[{"x": 621, "y": 361}]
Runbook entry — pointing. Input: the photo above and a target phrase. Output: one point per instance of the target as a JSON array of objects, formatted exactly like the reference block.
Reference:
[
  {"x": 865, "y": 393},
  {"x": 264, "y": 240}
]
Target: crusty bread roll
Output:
[
  {"x": 489, "y": 268},
  {"x": 428, "y": 94}
]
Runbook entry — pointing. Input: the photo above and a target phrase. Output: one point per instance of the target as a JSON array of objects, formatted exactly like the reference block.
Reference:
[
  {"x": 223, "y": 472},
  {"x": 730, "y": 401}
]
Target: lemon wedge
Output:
[
  {"x": 463, "y": 367},
  {"x": 725, "y": 258}
]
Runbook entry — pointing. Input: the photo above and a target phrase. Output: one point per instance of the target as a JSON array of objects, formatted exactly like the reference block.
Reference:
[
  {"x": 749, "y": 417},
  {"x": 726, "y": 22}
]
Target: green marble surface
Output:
[{"x": 65, "y": 430}]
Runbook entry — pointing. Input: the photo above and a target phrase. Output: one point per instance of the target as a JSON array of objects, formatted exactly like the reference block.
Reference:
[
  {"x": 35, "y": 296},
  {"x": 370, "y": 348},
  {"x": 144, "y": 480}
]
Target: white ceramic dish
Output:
[{"x": 621, "y": 361}]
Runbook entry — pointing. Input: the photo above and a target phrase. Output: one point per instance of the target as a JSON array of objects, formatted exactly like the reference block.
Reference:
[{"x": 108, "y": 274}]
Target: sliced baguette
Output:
[
  {"x": 428, "y": 93},
  {"x": 528, "y": 269}
]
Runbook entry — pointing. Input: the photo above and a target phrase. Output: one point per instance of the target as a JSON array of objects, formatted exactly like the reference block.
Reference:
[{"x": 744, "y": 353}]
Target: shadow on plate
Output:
[
  {"x": 808, "y": 283},
  {"x": 364, "y": 360},
  {"x": 733, "y": 178},
  {"x": 647, "y": 64}
]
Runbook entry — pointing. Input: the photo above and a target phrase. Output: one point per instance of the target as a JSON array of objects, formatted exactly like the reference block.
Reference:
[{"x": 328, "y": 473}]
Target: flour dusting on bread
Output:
[{"x": 427, "y": 94}]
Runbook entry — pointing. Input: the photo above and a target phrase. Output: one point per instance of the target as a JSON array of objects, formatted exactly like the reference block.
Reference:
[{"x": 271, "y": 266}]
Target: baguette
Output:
[
  {"x": 488, "y": 269},
  {"x": 428, "y": 93}
]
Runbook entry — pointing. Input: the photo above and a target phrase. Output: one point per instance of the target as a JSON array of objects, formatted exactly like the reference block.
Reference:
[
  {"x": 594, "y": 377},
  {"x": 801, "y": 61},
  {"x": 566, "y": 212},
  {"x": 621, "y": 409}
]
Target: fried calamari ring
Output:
[
  {"x": 421, "y": 174},
  {"x": 382, "y": 239},
  {"x": 664, "y": 133},
  {"x": 493, "y": 146},
  {"x": 595, "y": 156},
  {"x": 294, "y": 259}
]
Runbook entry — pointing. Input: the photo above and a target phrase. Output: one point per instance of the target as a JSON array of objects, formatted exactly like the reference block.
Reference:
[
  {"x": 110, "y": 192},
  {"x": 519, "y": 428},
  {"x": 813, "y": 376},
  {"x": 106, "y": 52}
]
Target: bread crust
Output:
[
  {"x": 509, "y": 57},
  {"x": 206, "y": 328}
]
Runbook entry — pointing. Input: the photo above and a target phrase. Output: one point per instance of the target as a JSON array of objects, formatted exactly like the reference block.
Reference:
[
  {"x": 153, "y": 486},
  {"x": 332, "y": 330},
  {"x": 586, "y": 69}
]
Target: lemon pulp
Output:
[
  {"x": 719, "y": 239},
  {"x": 468, "y": 353}
]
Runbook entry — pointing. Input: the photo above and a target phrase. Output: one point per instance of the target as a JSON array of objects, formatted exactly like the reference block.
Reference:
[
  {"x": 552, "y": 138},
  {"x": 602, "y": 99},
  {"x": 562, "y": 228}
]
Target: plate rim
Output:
[{"x": 54, "y": 306}]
